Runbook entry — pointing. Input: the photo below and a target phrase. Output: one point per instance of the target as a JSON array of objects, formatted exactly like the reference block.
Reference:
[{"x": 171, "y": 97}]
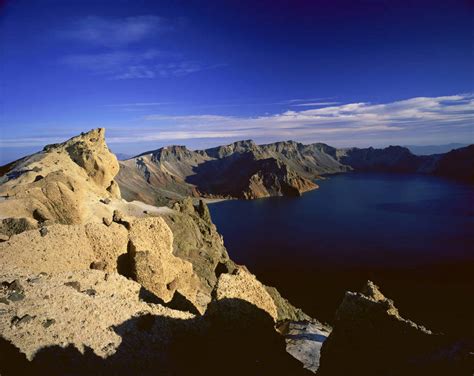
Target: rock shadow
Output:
[{"x": 234, "y": 337}]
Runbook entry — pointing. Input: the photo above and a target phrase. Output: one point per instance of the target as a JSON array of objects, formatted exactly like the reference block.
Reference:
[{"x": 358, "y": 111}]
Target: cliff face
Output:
[
  {"x": 93, "y": 284},
  {"x": 241, "y": 170},
  {"x": 246, "y": 170}
]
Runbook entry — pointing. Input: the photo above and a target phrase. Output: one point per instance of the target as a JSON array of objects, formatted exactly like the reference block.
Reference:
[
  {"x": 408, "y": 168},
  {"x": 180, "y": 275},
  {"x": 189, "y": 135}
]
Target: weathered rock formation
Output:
[
  {"x": 246, "y": 170},
  {"x": 241, "y": 285},
  {"x": 371, "y": 338},
  {"x": 63, "y": 183},
  {"x": 93, "y": 284}
]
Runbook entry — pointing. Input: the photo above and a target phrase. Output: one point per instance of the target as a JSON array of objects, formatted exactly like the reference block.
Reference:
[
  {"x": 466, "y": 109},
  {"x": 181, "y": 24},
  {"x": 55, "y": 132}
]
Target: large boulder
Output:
[
  {"x": 90, "y": 152},
  {"x": 243, "y": 285},
  {"x": 371, "y": 338},
  {"x": 154, "y": 266},
  {"x": 64, "y": 183},
  {"x": 109, "y": 244}
]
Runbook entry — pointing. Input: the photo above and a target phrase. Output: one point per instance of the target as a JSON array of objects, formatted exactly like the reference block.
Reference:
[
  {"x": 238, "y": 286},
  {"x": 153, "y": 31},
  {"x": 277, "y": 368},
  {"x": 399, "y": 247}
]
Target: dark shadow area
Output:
[
  {"x": 221, "y": 268},
  {"x": 225, "y": 176},
  {"x": 231, "y": 176},
  {"x": 148, "y": 297},
  {"x": 233, "y": 338},
  {"x": 366, "y": 340},
  {"x": 179, "y": 301},
  {"x": 124, "y": 265}
]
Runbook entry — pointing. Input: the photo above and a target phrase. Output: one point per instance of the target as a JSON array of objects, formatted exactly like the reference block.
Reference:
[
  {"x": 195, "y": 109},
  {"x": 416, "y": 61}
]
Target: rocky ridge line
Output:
[{"x": 93, "y": 276}]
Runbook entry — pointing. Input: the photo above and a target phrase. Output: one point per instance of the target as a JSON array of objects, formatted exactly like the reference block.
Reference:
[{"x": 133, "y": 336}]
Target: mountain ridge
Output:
[{"x": 236, "y": 170}]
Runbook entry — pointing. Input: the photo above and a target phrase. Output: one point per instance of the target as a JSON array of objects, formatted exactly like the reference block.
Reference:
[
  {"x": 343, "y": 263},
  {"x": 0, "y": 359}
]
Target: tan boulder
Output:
[
  {"x": 90, "y": 152},
  {"x": 243, "y": 285},
  {"x": 155, "y": 267},
  {"x": 108, "y": 243}
]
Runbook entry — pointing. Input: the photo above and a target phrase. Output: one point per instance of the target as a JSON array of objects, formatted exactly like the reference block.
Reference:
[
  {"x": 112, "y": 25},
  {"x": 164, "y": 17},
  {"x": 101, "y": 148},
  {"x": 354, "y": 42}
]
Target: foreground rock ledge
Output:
[{"x": 92, "y": 284}]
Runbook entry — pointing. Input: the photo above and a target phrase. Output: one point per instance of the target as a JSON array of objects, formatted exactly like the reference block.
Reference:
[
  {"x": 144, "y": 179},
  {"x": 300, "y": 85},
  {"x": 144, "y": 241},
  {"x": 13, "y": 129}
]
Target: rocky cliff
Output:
[
  {"x": 93, "y": 284},
  {"x": 371, "y": 338},
  {"x": 246, "y": 170},
  {"x": 239, "y": 170}
]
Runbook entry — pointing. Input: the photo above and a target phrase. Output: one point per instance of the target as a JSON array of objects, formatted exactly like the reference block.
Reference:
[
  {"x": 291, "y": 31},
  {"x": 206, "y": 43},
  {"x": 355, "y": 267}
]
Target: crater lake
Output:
[{"x": 413, "y": 235}]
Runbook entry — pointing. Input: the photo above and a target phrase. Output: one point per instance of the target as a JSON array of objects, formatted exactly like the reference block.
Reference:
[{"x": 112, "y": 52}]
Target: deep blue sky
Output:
[{"x": 202, "y": 73}]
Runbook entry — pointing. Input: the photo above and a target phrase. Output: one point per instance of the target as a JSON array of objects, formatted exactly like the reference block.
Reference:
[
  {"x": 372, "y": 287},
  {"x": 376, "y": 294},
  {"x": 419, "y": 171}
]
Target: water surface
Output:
[{"x": 411, "y": 234}]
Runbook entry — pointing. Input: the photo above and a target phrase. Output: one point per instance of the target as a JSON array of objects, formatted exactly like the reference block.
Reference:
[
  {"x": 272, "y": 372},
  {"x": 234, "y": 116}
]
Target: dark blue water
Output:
[{"x": 411, "y": 234}]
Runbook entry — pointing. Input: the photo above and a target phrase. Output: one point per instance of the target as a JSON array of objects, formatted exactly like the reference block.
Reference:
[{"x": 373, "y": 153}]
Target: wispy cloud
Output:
[
  {"x": 314, "y": 104},
  {"x": 415, "y": 120},
  {"x": 417, "y": 117},
  {"x": 113, "y": 49},
  {"x": 123, "y": 64},
  {"x": 114, "y": 32},
  {"x": 163, "y": 70},
  {"x": 295, "y": 101}
]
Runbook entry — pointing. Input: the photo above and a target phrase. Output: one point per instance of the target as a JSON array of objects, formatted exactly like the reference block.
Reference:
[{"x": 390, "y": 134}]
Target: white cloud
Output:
[
  {"x": 314, "y": 104},
  {"x": 117, "y": 52},
  {"x": 418, "y": 117},
  {"x": 418, "y": 120},
  {"x": 114, "y": 32},
  {"x": 174, "y": 69}
]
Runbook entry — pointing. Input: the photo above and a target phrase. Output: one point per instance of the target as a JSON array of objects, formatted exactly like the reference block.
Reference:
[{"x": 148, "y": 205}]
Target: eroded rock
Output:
[
  {"x": 76, "y": 174},
  {"x": 244, "y": 286},
  {"x": 153, "y": 264},
  {"x": 373, "y": 339}
]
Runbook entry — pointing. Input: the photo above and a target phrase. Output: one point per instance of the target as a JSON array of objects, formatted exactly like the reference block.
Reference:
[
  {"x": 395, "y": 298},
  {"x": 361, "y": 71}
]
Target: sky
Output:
[{"x": 205, "y": 73}]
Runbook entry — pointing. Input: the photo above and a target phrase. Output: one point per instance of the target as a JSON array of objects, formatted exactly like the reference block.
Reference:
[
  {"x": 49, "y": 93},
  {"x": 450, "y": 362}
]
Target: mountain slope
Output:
[
  {"x": 242, "y": 170},
  {"x": 246, "y": 170}
]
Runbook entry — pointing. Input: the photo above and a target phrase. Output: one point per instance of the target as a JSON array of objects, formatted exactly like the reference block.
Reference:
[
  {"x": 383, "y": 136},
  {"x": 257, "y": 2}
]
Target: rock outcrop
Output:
[
  {"x": 93, "y": 284},
  {"x": 154, "y": 266},
  {"x": 196, "y": 240},
  {"x": 371, "y": 338},
  {"x": 242, "y": 285},
  {"x": 61, "y": 184}
]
